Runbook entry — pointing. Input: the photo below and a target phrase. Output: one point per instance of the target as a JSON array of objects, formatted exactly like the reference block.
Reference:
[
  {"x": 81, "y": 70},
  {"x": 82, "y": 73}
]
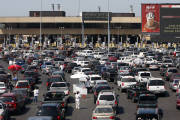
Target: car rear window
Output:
[
  {"x": 55, "y": 79},
  {"x": 106, "y": 97},
  {"x": 95, "y": 78},
  {"x": 145, "y": 74},
  {"x": 147, "y": 98},
  {"x": 2, "y": 85},
  {"x": 103, "y": 110},
  {"x": 59, "y": 85},
  {"x": 173, "y": 70},
  {"x": 22, "y": 84},
  {"x": 102, "y": 88},
  {"x": 156, "y": 82},
  {"x": 178, "y": 75},
  {"x": 128, "y": 80},
  {"x": 54, "y": 96}
]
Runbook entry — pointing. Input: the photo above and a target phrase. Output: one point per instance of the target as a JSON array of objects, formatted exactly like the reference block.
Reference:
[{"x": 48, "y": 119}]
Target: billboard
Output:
[
  {"x": 170, "y": 20},
  {"x": 150, "y": 18}
]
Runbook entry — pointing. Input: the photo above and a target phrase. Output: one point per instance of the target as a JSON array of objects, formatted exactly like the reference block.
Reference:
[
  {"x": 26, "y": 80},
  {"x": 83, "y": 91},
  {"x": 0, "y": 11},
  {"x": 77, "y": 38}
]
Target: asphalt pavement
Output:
[{"x": 126, "y": 110}]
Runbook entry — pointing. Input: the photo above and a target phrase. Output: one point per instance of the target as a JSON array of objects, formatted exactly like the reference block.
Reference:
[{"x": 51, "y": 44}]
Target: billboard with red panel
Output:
[{"x": 150, "y": 18}]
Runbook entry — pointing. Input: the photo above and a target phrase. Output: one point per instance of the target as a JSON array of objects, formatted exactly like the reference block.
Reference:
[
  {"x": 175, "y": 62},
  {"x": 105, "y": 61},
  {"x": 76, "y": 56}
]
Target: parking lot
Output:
[{"x": 126, "y": 109}]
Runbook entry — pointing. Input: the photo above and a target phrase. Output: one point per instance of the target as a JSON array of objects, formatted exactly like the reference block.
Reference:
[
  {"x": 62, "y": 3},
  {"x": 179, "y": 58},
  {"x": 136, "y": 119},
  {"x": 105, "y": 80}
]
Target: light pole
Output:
[
  {"x": 61, "y": 28},
  {"x": 108, "y": 27},
  {"x": 40, "y": 37},
  {"x": 9, "y": 29}
]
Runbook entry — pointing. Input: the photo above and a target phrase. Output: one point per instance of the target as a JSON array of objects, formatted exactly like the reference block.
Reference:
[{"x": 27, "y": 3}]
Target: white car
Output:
[
  {"x": 125, "y": 82},
  {"x": 3, "y": 88},
  {"x": 143, "y": 76},
  {"x": 93, "y": 79},
  {"x": 107, "y": 97},
  {"x": 156, "y": 85}
]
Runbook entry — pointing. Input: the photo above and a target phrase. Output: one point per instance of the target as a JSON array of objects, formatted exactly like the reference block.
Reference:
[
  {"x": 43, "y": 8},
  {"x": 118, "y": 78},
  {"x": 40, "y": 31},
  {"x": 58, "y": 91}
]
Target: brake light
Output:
[
  {"x": 47, "y": 83},
  {"x": 58, "y": 117},
  {"x": 135, "y": 94},
  {"x": 175, "y": 85},
  {"x": 121, "y": 71},
  {"x": 94, "y": 117},
  {"x": 98, "y": 102},
  {"x": 116, "y": 102},
  {"x": 178, "y": 102},
  {"x": 177, "y": 90},
  {"x": 62, "y": 104},
  {"x": 17, "y": 87},
  {"x": 112, "y": 117},
  {"x": 122, "y": 84},
  {"x": 28, "y": 86},
  {"x": 166, "y": 74},
  {"x": 1, "y": 117},
  {"x": 95, "y": 93},
  {"x": 14, "y": 105}
]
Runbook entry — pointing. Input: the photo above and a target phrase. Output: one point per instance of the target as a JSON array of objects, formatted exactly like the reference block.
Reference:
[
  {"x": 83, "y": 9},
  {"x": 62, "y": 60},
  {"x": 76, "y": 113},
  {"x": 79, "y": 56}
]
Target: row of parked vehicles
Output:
[{"x": 128, "y": 69}]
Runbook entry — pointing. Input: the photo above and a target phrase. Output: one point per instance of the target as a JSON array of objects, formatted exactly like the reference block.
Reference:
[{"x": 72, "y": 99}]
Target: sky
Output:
[{"x": 22, "y": 7}]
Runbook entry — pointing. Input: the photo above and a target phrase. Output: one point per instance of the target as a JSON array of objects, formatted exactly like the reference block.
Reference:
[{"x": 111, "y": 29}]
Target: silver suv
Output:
[{"x": 107, "y": 97}]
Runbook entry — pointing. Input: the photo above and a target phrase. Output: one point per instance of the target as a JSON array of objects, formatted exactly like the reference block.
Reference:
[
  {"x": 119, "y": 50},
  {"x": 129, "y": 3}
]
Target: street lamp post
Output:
[
  {"x": 9, "y": 36},
  {"x": 61, "y": 28},
  {"x": 40, "y": 26},
  {"x": 108, "y": 28}
]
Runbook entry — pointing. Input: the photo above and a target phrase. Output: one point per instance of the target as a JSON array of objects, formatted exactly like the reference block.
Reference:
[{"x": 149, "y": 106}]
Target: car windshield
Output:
[
  {"x": 107, "y": 97},
  {"x": 24, "y": 92},
  {"x": 145, "y": 74},
  {"x": 6, "y": 99},
  {"x": 103, "y": 110},
  {"x": 95, "y": 78},
  {"x": 156, "y": 83},
  {"x": 128, "y": 80},
  {"x": 59, "y": 85}
]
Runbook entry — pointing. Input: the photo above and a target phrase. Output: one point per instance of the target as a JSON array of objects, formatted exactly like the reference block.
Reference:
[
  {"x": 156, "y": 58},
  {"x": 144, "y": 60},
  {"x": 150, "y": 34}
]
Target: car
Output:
[
  {"x": 143, "y": 76},
  {"x": 98, "y": 89},
  {"x": 24, "y": 92},
  {"x": 147, "y": 114},
  {"x": 125, "y": 81},
  {"x": 156, "y": 86},
  {"x": 60, "y": 86},
  {"x": 51, "y": 79},
  {"x": 178, "y": 102},
  {"x": 174, "y": 81},
  {"x": 23, "y": 84},
  {"x": 56, "y": 97},
  {"x": 169, "y": 72},
  {"x": 103, "y": 112},
  {"x": 4, "y": 112},
  {"x": 134, "y": 91},
  {"x": 40, "y": 118},
  {"x": 147, "y": 101},
  {"x": 107, "y": 97},
  {"x": 93, "y": 78},
  {"x": 15, "y": 102},
  {"x": 53, "y": 110},
  {"x": 69, "y": 67},
  {"x": 3, "y": 88}
]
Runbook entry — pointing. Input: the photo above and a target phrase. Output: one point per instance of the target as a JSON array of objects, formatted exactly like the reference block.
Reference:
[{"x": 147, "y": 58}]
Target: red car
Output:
[
  {"x": 178, "y": 102},
  {"x": 15, "y": 102}
]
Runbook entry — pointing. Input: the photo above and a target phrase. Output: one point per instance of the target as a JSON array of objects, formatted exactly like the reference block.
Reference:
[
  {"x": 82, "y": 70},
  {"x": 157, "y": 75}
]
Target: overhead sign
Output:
[
  {"x": 150, "y": 18},
  {"x": 96, "y": 16}
]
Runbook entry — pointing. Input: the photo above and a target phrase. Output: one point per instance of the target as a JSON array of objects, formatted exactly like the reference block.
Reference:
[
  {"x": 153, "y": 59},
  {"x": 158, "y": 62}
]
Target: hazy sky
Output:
[{"x": 22, "y": 7}]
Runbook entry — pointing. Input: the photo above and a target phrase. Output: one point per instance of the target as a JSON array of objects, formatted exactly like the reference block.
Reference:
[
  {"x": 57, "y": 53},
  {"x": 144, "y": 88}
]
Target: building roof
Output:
[{"x": 65, "y": 20}]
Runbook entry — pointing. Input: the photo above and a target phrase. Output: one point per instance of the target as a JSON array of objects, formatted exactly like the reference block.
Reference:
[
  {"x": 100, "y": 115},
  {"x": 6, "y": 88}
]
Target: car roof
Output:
[
  {"x": 103, "y": 106},
  {"x": 94, "y": 75},
  {"x": 127, "y": 76},
  {"x": 156, "y": 78},
  {"x": 107, "y": 92}
]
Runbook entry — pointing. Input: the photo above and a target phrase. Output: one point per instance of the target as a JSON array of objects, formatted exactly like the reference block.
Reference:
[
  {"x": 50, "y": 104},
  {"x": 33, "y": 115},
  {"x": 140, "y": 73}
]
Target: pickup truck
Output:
[
  {"x": 56, "y": 97},
  {"x": 134, "y": 91},
  {"x": 4, "y": 111},
  {"x": 143, "y": 76}
]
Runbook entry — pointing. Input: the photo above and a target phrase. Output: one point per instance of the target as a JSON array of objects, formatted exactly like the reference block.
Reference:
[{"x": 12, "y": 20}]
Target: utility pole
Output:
[
  {"x": 40, "y": 27},
  {"x": 108, "y": 27}
]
